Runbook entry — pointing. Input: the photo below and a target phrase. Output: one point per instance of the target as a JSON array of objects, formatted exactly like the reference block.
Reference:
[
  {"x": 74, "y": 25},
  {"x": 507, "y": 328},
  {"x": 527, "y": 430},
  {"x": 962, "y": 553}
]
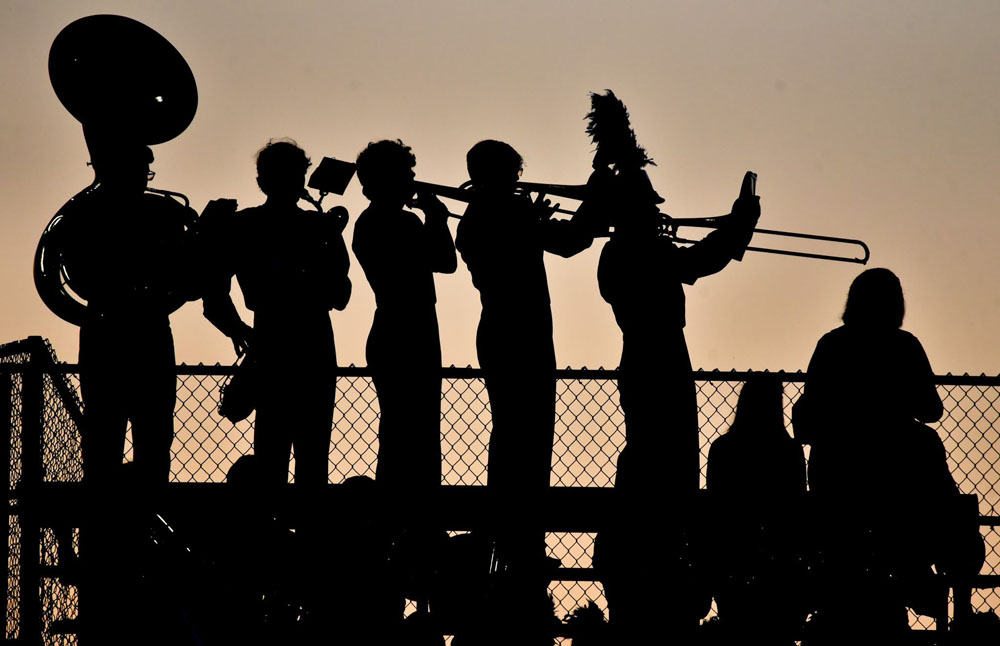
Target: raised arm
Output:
[{"x": 714, "y": 251}]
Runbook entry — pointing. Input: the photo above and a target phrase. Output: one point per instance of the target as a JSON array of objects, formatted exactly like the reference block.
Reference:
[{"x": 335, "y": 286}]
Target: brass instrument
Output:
[
  {"x": 125, "y": 83},
  {"x": 668, "y": 224},
  {"x": 465, "y": 192},
  {"x": 672, "y": 224},
  {"x": 331, "y": 176}
]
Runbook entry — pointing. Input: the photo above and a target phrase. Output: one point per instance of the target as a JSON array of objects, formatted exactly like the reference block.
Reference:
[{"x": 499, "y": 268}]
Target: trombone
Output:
[
  {"x": 672, "y": 224},
  {"x": 669, "y": 225}
]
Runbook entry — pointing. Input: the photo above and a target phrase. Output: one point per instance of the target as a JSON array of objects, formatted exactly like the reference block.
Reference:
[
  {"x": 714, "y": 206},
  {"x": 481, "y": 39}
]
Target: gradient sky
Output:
[{"x": 877, "y": 121}]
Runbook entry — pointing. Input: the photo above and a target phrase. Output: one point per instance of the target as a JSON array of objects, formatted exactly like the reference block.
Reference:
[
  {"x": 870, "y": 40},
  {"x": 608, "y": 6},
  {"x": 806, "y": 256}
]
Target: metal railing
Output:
[{"x": 589, "y": 434}]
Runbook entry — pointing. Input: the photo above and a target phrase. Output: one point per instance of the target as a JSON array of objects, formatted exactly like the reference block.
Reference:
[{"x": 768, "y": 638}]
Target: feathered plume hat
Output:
[{"x": 610, "y": 130}]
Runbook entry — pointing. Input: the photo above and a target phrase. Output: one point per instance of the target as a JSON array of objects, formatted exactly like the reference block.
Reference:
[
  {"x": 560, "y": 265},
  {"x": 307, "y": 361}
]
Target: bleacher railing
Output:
[{"x": 44, "y": 414}]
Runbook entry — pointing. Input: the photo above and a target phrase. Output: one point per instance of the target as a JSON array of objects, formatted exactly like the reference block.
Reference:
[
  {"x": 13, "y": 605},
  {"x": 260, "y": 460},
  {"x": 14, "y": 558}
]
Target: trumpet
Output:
[{"x": 668, "y": 224}]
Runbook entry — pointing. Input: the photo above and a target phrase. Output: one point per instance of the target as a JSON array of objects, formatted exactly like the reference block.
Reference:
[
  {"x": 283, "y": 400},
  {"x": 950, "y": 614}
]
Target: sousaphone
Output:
[{"x": 127, "y": 85}]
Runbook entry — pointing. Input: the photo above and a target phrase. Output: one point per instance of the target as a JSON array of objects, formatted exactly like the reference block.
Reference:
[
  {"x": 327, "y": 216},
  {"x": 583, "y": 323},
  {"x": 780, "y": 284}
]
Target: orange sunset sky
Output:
[{"x": 878, "y": 121}]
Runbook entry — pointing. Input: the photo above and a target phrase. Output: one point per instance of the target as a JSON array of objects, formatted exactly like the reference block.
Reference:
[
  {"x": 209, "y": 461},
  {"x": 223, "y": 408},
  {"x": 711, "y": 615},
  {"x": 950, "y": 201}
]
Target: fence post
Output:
[
  {"x": 31, "y": 477},
  {"x": 6, "y": 427}
]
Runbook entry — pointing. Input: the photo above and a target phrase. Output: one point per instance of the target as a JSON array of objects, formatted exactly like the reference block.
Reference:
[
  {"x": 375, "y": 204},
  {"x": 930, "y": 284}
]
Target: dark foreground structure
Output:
[{"x": 46, "y": 501}]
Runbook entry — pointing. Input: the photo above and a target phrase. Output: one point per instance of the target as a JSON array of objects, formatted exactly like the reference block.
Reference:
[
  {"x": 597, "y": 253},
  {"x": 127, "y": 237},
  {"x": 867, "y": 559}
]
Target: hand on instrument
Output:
[
  {"x": 745, "y": 213},
  {"x": 433, "y": 208},
  {"x": 242, "y": 339},
  {"x": 746, "y": 210},
  {"x": 543, "y": 207}
]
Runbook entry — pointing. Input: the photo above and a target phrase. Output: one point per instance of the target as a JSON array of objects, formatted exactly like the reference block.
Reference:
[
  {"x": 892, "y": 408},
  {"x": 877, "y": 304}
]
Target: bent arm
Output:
[
  {"x": 218, "y": 308},
  {"x": 926, "y": 402},
  {"x": 565, "y": 238},
  {"x": 711, "y": 254},
  {"x": 338, "y": 263}
]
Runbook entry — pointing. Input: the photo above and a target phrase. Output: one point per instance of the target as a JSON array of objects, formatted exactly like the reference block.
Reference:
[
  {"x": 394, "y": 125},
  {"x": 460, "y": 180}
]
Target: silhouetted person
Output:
[
  {"x": 502, "y": 239},
  {"x": 659, "y": 594},
  {"x": 125, "y": 252},
  {"x": 978, "y": 629},
  {"x": 361, "y": 603},
  {"x": 292, "y": 267},
  {"x": 586, "y": 626},
  {"x": 399, "y": 255},
  {"x": 154, "y": 591},
  {"x": 460, "y": 597},
  {"x": 853, "y": 424},
  {"x": 757, "y": 481},
  {"x": 259, "y": 562},
  {"x": 642, "y": 274},
  {"x": 122, "y": 256},
  {"x": 868, "y": 387}
]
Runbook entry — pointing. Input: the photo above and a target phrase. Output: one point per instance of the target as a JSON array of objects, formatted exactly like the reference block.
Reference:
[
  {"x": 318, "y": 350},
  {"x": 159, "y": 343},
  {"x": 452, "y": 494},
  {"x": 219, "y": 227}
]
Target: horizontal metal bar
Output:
[{"x": 468, "y": 372}]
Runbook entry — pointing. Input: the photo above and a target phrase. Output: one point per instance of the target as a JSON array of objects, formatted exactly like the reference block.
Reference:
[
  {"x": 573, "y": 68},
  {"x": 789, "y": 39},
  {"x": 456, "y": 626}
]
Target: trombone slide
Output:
[{"x": 672, "y": 224}]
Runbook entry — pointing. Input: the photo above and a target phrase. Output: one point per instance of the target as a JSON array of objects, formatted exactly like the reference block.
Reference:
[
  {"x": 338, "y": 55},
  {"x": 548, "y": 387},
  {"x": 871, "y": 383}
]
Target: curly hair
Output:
[
  {"x": 280, "y": 163},
  {"x": 379, "y": 156}
]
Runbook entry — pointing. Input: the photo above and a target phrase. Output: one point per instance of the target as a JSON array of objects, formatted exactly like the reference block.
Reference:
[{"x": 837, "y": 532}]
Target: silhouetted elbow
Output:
[
  {"x": 342, "y": 295},
  {"x": 931, "y": 413},
  {"x": 447, "y": 265}
]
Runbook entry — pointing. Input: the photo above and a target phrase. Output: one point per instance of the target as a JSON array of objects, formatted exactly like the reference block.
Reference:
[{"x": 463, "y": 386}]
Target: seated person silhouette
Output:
[
  {"x": 292, "y": 267},
  {"x": 858, "y": 429},
  {"x": 400, "y": 255},
  {"x": 757, "y": 481},
  {"x": 502, "y": 239}
]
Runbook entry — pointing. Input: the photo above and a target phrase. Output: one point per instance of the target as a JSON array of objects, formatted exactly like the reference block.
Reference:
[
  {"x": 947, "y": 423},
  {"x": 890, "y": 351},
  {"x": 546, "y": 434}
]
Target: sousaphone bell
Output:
[{"x": 128, "y": 87}]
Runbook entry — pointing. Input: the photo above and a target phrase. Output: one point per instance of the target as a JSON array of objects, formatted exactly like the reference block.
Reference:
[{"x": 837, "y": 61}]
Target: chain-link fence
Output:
[
  {"x": 43, "y": 414},
  {"x": 589, "y": 435}
]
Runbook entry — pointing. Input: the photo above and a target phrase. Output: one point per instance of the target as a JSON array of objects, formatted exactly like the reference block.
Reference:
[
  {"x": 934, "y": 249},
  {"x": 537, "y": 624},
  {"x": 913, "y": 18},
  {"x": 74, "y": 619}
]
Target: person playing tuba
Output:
[
  {"x": 121, "y": 247},
  {"x": 116, "y": 261}
]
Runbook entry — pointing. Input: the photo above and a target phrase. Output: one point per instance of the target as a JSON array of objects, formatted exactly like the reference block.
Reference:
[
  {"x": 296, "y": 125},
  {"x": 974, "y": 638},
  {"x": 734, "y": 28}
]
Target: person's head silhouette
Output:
[
  {"x": 385, "y": 170},
  {"x": 875, "y": 301},
  {"x": 494, "y": 166},
  {"x": 120, "y": 165},
  {"x": 281, "y": 170}
]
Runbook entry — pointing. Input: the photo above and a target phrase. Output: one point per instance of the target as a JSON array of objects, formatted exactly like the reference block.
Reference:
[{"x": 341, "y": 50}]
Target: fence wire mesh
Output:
[{"x": 589, "y": 434}]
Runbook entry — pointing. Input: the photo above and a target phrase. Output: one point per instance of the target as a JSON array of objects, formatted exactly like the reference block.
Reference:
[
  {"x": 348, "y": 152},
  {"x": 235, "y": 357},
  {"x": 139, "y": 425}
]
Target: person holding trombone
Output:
[
  {"x": 502, "y": 238},
  {"x": 642, "y": 274},
  {"x": 400, "y": 255}
]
